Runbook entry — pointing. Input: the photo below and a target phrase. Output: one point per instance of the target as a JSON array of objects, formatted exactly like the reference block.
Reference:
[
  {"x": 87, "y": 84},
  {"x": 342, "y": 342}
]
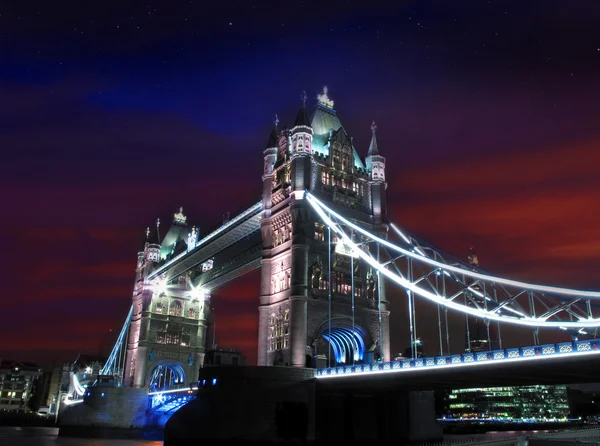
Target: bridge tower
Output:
[
  {"x": 167, "y": 332},
  {"x": 299, "y": 320}
]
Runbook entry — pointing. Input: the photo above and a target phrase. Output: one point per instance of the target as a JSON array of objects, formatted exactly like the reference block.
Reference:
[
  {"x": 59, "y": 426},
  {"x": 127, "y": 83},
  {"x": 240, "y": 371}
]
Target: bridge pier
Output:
[
  {"x": 396, "y": 416},
  {"x": 273, "y": 404},
  {"x": 106, "y": 411}
]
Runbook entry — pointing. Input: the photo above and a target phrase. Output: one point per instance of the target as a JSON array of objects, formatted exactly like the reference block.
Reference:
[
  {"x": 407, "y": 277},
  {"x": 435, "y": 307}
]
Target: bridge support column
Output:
[
  {"x": 299, "y": 307},
  {"x": 139, "y": 377}
]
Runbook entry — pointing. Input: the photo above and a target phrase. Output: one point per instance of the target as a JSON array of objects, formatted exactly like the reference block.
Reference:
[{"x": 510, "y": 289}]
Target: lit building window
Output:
[
  {"x": 326, "y": 178},
  {"x": 168, "y": 338},
  {"x": 278, "y": 337},
  {"x": 175, "y": 309},
  {"x": 320, "y": 232}
]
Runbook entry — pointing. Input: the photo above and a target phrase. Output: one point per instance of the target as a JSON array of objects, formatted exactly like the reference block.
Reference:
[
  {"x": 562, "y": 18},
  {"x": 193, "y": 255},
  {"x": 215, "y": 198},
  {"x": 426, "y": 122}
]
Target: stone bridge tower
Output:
[
  {"x": 317, "y": 154},
  {"x": 167, "y": 332}
]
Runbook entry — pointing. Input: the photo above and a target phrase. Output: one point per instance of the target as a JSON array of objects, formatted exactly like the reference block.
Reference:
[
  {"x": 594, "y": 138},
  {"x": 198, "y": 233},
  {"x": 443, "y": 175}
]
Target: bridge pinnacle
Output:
[{"x": 373, "y": 148}]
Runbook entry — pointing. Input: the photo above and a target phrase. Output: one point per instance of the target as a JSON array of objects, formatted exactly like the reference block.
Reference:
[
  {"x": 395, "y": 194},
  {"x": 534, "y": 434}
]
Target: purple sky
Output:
[{"x": 487, "y": 112}]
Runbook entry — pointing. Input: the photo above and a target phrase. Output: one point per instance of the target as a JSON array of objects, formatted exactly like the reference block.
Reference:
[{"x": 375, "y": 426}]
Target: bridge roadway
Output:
[
  {"x": 235, "y": 247},
  {"x": 563, "y": 363}
]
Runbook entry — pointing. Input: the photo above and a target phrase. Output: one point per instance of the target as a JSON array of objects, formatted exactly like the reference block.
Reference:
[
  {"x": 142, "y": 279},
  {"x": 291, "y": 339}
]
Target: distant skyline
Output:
[{"x": 115, "y": 114}]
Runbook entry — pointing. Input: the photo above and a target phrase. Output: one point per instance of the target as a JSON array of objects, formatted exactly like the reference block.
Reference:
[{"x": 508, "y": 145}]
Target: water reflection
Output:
[{"x": 48, "y": 436}]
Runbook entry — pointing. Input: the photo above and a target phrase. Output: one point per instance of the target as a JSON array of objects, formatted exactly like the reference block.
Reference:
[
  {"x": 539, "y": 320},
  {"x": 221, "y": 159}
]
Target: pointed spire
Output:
[
  {"x": 274, "y": 136},
  {"x": 302, "y": 118},
  {"x": 373, "y": 148},
  {"x": 152, "y": 236}
]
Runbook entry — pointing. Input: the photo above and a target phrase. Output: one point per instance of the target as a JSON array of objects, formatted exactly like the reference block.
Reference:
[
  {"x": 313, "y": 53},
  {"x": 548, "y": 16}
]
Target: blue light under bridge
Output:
[
  {"x": 347, "y": 345},
  {"x": 166, "y": 376}
]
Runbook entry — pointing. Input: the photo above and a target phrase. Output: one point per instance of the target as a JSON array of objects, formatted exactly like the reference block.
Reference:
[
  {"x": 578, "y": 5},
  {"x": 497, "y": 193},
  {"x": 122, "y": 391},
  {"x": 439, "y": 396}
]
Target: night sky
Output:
[{"x": 115, "y": 113}]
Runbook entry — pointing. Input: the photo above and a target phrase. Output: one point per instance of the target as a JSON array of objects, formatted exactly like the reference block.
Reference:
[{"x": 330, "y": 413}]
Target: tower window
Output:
[
  {"x": 278, "y": 337},
  {"x": 175, "y": 309},
  {"x": 346, "y": 161},
  {"x": 319, "y": 232}
]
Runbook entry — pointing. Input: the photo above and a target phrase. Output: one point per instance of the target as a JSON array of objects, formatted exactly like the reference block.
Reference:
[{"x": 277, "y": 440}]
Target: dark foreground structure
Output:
[{"x": 278, "y": 404}]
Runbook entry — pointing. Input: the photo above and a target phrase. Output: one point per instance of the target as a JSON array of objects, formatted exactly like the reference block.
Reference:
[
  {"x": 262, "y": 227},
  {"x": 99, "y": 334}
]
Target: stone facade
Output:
[
  {"x": 294, "y": 311},
  {"x": 168, "y": 325}
]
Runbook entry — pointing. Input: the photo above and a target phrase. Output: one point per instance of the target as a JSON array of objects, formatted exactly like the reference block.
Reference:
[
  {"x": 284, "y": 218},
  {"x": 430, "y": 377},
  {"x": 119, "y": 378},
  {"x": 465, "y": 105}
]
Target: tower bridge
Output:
[{"x": 328, "y": 252}]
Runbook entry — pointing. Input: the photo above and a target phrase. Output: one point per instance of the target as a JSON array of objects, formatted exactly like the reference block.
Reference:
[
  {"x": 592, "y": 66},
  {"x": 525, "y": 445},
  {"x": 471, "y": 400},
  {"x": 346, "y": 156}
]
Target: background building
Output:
[
  {"x": 16, "y": 384},
  {"x": 538, "y": 402}
]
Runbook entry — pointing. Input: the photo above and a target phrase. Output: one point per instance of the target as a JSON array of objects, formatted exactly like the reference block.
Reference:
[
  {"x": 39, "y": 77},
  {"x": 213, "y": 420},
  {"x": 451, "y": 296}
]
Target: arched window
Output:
[
  {"x": 346, "y": 160},
  {"x": 278, "y": 336},
  {"x": 316, "y": 276},
  {"x": 175, "y": 309},
  {"x": 336, "y": 156}
]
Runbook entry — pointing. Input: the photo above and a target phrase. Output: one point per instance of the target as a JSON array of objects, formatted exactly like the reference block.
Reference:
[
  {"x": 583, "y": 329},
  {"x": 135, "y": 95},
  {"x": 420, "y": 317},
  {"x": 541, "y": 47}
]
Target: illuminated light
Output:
[
  {"x": 466, "y": 272},
  {"x": 78, "y": 388},
  {"x": 71, "y": 402},
  {"x": 526, "y": 321},
  {"x": 420, "y": 252},
  {"x": 400, "y": 233},
  {"x": 208, "y": 265},
  {"x": 197, "y": 293},
  {"x": 173, "y": 390},
  {"x": 102, "y": 394},
  {"x": 297, "y": 195},
  {"x": 252, "y": 210},
  {"x": 345, "y": 250},
  {"x": 477, "y": 293},
  {"x": 214, "y": 381},
  {"x": 461, "y": 364},
  {"x": 160, "y": 286}
]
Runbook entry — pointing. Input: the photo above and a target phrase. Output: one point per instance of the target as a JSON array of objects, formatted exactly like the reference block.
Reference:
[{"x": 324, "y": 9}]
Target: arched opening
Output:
[
  {"x": 340, "y": 346},
  {"x": 166, "y": 376}
]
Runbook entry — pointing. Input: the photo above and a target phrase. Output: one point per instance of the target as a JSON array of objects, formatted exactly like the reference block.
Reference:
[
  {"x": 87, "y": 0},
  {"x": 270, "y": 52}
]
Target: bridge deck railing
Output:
[{"x": 509, "y": 354}]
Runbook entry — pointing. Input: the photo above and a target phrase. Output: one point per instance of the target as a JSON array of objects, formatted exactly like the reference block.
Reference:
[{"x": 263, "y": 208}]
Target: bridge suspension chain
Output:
[
  {"x": 464, "y": 288},
  {"x": 115, "y": 364}
]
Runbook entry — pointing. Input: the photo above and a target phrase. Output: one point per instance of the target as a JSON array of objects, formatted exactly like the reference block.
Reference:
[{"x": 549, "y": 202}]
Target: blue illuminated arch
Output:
[
  {"x": 166, "y": 376},
  {"x": 348, "y": 345}
]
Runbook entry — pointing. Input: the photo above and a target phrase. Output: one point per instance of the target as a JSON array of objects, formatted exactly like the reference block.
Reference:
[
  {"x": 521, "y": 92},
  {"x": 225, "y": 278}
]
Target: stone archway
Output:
[
  {"x": 165, "y": 375},
  {"x": 347, "y": 344}
]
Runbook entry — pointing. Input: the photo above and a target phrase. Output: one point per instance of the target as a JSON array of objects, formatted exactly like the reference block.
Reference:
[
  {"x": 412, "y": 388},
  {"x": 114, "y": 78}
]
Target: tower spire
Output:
[
  {"x": 302, "y": 118},
  {"x": 273, "y": 137},
  {"x": 373, "y": 147}
]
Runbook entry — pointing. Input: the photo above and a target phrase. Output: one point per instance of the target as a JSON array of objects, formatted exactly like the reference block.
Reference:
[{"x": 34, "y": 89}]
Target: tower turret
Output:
[
  {"x": 302, "y": 132},
  {"x": 152, "y": 247},
  {"x": 270, "y": 152},
  {"x": 376, "y": 170},
  {"x": 375, "y": 162}
]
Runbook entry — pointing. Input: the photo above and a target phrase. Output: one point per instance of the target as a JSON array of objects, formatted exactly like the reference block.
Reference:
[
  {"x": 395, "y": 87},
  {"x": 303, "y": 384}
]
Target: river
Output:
[{"x": 47, "y": 436}]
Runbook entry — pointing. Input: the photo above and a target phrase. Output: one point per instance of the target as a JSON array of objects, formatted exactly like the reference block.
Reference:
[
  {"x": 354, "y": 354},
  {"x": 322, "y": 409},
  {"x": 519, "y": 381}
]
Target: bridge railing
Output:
[{"x": 509, "y": 354}]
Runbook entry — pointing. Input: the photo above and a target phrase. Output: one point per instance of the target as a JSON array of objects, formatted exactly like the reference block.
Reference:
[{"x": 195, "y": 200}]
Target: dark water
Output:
[{"x": 48, "y": 436}]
